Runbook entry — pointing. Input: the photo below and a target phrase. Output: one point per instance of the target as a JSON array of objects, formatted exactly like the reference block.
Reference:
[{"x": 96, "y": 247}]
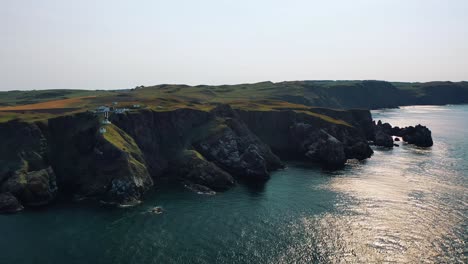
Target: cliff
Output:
[
  {"x": 377, "y": 94},
  {"x": 78, "y": 155},
  {"x": 300, "y": 135}
]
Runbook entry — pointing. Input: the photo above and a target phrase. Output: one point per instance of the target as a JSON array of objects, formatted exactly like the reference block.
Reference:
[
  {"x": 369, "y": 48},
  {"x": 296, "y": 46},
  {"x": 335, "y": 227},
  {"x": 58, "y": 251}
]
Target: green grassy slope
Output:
[{"x": 297, "y": 95}]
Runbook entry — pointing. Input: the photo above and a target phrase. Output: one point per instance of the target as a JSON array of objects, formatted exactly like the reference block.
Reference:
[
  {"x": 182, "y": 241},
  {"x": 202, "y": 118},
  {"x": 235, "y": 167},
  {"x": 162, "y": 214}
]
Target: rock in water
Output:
[
  {"x": 328, "y": 150},
  {"x": 419, "y": 136},
  {"x": 9, "y": 203},
  {"x": 383, "y": 139},
  {"x": 199, "y": 189},
  {"x": 156, "y": 210},
  {"x": 359, "y": 150},
  {"x": 32, "y": 188}
]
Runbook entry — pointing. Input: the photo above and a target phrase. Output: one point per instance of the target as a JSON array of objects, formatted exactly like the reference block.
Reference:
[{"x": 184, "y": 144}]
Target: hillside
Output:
[{"x": 39, "y": 105}]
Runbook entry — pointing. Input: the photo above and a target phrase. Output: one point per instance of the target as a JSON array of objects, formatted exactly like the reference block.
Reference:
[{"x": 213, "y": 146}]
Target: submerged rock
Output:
[
  {"x": 199, "y": 189},
  {"x": 9, "y": 203},
  {"x": 156, "y": 210}
]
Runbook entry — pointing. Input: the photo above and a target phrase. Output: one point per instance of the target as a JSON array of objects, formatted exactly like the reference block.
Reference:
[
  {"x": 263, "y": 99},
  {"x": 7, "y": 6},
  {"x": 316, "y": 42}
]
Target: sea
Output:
[{"x": 403, "y": 205}]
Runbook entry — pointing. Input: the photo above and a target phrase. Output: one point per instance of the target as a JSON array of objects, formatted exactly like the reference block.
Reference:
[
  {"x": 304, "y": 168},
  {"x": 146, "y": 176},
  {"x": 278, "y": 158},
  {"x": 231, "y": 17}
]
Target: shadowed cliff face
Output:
[
  {"x": 108, "y": 166},
  {"x": 366, "y": 94},
  {"x": 235, "y": 148},
  {"x": 300, "y": 136},
  {"x": 161, "y": 135},
  {"x": 24, "y": 168},
  {"x": 219, "y": 136},
  {"x": 204, "y": 150}
]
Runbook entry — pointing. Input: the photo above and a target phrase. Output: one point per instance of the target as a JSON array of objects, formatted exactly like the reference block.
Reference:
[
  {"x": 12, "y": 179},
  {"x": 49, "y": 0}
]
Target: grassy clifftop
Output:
[{"x": 264, "y": 96}]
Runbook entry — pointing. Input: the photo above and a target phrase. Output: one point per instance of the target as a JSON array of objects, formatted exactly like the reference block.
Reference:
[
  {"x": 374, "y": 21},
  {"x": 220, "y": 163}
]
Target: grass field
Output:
[
  {"x": 263, "y": 96},
  {"x": 76, "y": 102}
]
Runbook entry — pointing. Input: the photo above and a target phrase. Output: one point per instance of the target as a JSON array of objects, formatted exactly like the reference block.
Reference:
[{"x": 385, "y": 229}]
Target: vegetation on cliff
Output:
[
  {"x": 206, "y": 137},
  {"x": 42, "y": 105}
]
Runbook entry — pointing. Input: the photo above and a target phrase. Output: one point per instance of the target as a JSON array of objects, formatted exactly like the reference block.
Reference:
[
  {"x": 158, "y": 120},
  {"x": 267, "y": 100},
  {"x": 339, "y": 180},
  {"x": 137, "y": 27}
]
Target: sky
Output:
[{"x": 114, "y": 44}]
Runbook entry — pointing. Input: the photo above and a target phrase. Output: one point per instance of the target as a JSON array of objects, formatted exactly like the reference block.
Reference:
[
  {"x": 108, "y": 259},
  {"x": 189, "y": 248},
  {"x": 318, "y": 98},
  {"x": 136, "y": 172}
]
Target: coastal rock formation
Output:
[
  {"x": 118, "y": 161},
  {"x": 199, "y": 189},
  {"x": 419, "y": 135},
  {"x": 217, "y": 136},
  {"x": 383, "y": 139},
  {"x": 32, "y": 188},
  {"x": 9, "y": 203},
  {"x": 319, "y": 146},
  {"x": 314, "y": 137},
  {"x": 24, "y": 168},
  {"x": 360, "y": 150},
  {"x": 194, "y": 170},
  {"x": 327, "y": 149},
  {"x": 236, "y": 150},
  {"x": 108, "y": 166}
]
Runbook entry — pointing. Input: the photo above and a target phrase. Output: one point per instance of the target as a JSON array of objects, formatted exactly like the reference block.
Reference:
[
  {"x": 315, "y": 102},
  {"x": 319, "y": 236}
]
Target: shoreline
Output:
[{"x": 210, "y": 150}]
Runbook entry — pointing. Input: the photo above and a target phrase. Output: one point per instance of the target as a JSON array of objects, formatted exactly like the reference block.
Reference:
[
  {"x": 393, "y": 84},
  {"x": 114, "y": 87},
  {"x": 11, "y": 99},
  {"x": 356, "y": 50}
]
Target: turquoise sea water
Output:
[{"x": 402, "y": 205}]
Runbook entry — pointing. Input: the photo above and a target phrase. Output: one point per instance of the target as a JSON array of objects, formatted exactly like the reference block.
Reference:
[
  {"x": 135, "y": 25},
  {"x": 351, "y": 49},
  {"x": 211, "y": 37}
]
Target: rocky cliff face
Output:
[
  {"x": 219, "y": 138},
  {"x": 295, "y": 135},
  {"x": 235, "y": 148},
  {"x": 377, "y": 94},
  {"x": 24, "y": 168},
  {"x": 107, "y": 166},
  {"x": 203, "y": 150}
]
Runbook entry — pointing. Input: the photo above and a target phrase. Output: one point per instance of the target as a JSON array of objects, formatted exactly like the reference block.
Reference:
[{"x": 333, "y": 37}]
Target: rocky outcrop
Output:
[
  {"x": 383, "y": 139},
  {"x": 419, "y": 135},
  {"x": 297, "y": 135},
  {"x": 360, "y": 150},
  {"x": 24, "y": 169},
  {"x": 162, "y": 136},
  {"x": 218, "y": 136},
  {"x": 238, "y": 153},
  {"x": 107, "y": 166},
  {"x": 233, "y": 147},
  {"x": 193, "y": 169},
  {"x": 199, "y": 189},
  {"x": 32, "y": 188},
  {"x": 326, "y": 149},
  {"x": 9, "y": 203}
]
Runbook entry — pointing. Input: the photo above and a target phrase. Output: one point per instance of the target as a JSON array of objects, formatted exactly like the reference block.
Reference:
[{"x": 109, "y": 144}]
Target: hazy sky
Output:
[{"x": 110, "y": 44}]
